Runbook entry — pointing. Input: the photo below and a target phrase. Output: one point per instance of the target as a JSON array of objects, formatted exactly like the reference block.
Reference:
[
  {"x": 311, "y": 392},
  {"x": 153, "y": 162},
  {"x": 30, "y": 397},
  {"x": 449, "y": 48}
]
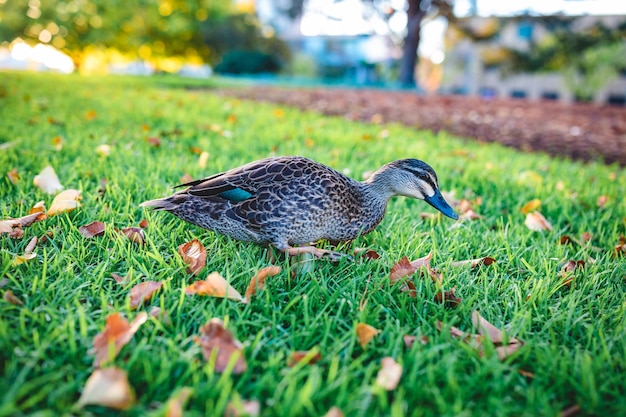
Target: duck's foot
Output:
[{"x": 317, "y": 252}]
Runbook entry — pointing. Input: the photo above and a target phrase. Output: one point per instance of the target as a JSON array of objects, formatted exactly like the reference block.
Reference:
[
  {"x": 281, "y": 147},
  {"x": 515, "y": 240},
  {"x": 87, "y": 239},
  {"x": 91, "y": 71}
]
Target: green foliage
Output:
[{"x": 575, "y": 337}]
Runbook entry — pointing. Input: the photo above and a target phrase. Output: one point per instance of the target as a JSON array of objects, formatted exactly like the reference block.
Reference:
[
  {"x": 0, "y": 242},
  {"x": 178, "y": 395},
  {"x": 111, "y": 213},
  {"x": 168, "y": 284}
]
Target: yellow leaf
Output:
[
  {"x": 20, "y": 259},
  {"x": 215, "y": 286},
  {"x": 365, "y": 333},
  {"x": 64, "y": 201},
  {"x": 109, "y": 388},
  {"x": 203, "y": 159},
  {"x": 532, "y": 205}
]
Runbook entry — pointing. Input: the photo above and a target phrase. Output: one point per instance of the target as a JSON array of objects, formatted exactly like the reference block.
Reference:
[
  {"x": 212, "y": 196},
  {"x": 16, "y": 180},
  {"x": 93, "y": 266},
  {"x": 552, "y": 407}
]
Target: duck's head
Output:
[{"x": 412, "y": 178}]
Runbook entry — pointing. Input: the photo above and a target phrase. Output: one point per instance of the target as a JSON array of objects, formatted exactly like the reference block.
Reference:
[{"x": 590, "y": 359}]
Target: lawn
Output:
[{"x": 573, "y": 325}]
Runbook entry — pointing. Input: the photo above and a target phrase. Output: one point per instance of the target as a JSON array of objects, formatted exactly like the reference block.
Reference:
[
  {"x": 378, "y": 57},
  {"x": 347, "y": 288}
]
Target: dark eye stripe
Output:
[{"x": 424, "y": 176}]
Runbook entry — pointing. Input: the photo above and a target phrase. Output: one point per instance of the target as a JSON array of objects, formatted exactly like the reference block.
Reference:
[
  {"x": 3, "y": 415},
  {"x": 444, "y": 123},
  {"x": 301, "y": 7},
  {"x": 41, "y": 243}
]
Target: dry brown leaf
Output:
[
  {"x": 31, "y": 246},
  {"x": 109, "y": 388},
  {"x": 39, "y": 207},
  {"x": 470, "y": 215},
  {"x": 334, "y": 412},
  {"x": 143, "y": 292},
  {"x": 186, "y": 178},
  {"x": 567, "y": 270},
  {"x": 115, "y": 335},
  {"x": 134, "y": 234},
  {"x": 160, "y": 315},
  {"x": 571, "y": 411},
  {"x": 368, "y": 254},
  {"x": 57, "y": 141},
  {"x": 240, "y": 408},
  {"x": 92, "y": 229},
  {"x": 176, "y": 403},
  {"x": 620, "y": 248},
  {"x": 144, "y": 224},
  {"x": 214, "y": 286},
  {"x": 203, "y": 159},
  {"x": 365, "y": 333},
  {"x": 408, "y": 340},
  {"x": 153, "y": 141},
  {"x": 422, "y": 262},
  {"x": 309, "y": 357},
  {"x": 455, "y": 332},
  {"x": 118, "y": 278},
  {"x": 401, "y": 269},
  {"x": 602, "y": 201},
  {"x": 216, "y": 341},
  {"x": 12, "y": 298},
  {"x": 47, "y": 181},
  {"x": 448, "y": 298},
  {"x": 535, "y": 221},
  {"x": 257, "y": 282},
  {"x": 13, "y": 227},
  {"x": 13, "y": 176},
  {"x": 473, "y": 263},
  {"x": 496, "y": 336},
  {"x": 65, "y": 201},
  {"x": 532, "y": 205},
  {"x": 194, "y": 256},
  {"x": 389, "y": 375}
]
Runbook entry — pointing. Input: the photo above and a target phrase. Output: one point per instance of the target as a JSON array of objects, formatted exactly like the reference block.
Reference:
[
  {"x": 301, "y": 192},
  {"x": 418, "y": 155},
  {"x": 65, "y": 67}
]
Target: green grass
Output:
[{"x": 575, "y": 338}]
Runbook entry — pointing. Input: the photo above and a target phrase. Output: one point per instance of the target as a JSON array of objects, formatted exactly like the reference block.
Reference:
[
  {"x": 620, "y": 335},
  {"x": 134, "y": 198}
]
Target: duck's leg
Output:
[{"x": 317, "y": 252}]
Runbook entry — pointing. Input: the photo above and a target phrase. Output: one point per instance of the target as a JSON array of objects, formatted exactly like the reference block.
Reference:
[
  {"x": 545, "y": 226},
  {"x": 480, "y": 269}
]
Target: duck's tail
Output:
[{"x": 159, "y": 204}]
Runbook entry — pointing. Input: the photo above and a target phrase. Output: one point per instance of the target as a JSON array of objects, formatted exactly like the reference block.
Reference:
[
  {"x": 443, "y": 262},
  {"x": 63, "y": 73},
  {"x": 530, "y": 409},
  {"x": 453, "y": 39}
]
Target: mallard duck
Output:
[{"x": 290, "y": 202}]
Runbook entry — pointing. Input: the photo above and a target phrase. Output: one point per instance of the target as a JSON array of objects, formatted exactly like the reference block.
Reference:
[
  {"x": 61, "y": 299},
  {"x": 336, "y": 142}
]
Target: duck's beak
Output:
[{"x": 438, "y": 202}]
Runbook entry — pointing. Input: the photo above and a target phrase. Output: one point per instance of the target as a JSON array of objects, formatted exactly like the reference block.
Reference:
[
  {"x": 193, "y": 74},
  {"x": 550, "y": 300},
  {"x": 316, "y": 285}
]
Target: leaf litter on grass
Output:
[
  {"x": 109, "y": 388},
  {"x": 116, "y": 334},
  {"x": 220, "y": 348}
]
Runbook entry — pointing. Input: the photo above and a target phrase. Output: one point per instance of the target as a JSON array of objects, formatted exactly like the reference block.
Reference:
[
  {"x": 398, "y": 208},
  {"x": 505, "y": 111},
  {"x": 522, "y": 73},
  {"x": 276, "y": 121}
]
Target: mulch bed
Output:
[{"x": 580, "y": 131}]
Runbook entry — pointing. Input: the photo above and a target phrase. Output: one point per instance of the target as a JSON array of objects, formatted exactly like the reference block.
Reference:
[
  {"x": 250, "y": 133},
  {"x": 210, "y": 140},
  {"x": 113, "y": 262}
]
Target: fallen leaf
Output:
[
  {"x": 186, "y": 178},
  {"x": 279, "y": 113},
  {"x": 161, "y": 315},
  {"x": 496, "y": 336},
  {"x": 118, "y": 278},
  {"x": 109, "y": 388},
  {"x": 240, "y": 408},
  {"x": 423, "y": 261},
  {"x": 334, "y": 412},
  {"x": 117, "y": 333},
  {"x": 143, "y": 224},
  {"x": 47, "y": 181},
  {"x": 532, "y": 205},
  {"x": 20, "y": 259},
  {"x": 566, "y": 272},
  {"x": 389, "y": 374},
  {"x": 92, "y": 229},
  {"x": 455, "y": 332},
  {"x": 176, "y": 403},
  {"x": 57, "y": 141},
  {"x": 602, "y": 201},
  {"x": 257, "y": 282},
  {"x": 194, "y": 256},
  {"x": 12, "y": 298},
  {"x": 214, "y": 286},
  {"x": 232, "y": 118},
  {"x": 620, "y": 248},
  {"x": 535, "y": 221},
  {"x": 143, "y": 292},
  {"x": 448, "y": 298},
  {"x": 13, "y": 176},
  {"x": 39, "y": 207},
  {"x": 368, "y": 254},
  {"x": 219, "y": 343},
  {"x": 90, "y": 115},
  {"x": 195, "y": 150},
  {"x": 31, "y": 246},
  {"x": 203, "y": 159},
  {"x": 408, "y": 340},
  {"x": 365, "y": 333},
  {"x": 470, "y": 215},
  {"x": 153, "y": 141},
  {"x": 13, "y": 227},
  {"x": 401, "y": 269},
  {"x": 134, "y": 234},
  {"x": 103, "y": 150},
  {"x": 64, "y": 201},
  {"x": 309, "y": 357},
  {"x": 473, "y": 263},
  {"x": 571, "y": 411}
]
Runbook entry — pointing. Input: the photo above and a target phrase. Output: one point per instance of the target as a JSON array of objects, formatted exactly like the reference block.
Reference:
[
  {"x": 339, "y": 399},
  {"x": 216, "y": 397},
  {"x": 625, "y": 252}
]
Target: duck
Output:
[{"x": 291, "y": 202}]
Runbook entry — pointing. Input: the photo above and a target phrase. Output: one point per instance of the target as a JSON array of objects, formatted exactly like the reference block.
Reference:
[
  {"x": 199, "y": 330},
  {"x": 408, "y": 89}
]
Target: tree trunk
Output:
[{"x": 415, "y": 14}]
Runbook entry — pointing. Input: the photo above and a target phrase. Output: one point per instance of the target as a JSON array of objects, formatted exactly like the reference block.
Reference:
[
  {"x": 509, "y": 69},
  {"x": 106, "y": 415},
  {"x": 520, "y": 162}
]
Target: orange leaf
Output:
[
  {"x": 389, "y": 374},
  {"x": 143, "y": 292},
  {"x": 535, "y": 221},
  {"x": 194, "y": 256},
  {"x": 257, "y": 282},
  {"x": 12, "y": 298},
  {"x": 48, "y": 181},
  {"x": 109, "y": 388},
  {"x": 13, "y": 176},
  {"x": 219, "y": 343},
  {"x": 176, "y": 403},
  {"x": 401, "y": 270},
  {"x": 64, "y": 201},
  {"x": 115, "y": 335},
  {"x": 365, "y": 333},
  {"x": 144, "y": 224},
  {"x": 90, "y": 115},
  {"x": 92, "y": 229},
  {"x": 215, "y": 286},
  {"x": 532, "y": 205},
  {"x": 307, "y": 356}
]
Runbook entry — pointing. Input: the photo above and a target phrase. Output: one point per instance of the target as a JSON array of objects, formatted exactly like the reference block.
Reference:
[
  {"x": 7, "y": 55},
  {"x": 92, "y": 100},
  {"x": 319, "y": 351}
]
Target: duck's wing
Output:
[{"x": 244, "y": 182}]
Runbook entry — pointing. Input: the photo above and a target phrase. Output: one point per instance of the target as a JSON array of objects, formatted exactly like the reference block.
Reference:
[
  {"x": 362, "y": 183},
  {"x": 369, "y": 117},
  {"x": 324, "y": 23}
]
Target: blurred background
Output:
[{"x": 562, "y": 50}]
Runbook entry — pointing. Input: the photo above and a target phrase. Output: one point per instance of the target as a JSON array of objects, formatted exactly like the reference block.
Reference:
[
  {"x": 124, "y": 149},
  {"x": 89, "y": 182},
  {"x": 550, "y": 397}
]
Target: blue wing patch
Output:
[{"x": 236, "y": 194}]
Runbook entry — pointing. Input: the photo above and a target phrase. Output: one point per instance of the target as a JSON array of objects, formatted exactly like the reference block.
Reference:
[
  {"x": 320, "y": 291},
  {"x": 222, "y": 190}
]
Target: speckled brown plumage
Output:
[{"x": 290, "y": 200}]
